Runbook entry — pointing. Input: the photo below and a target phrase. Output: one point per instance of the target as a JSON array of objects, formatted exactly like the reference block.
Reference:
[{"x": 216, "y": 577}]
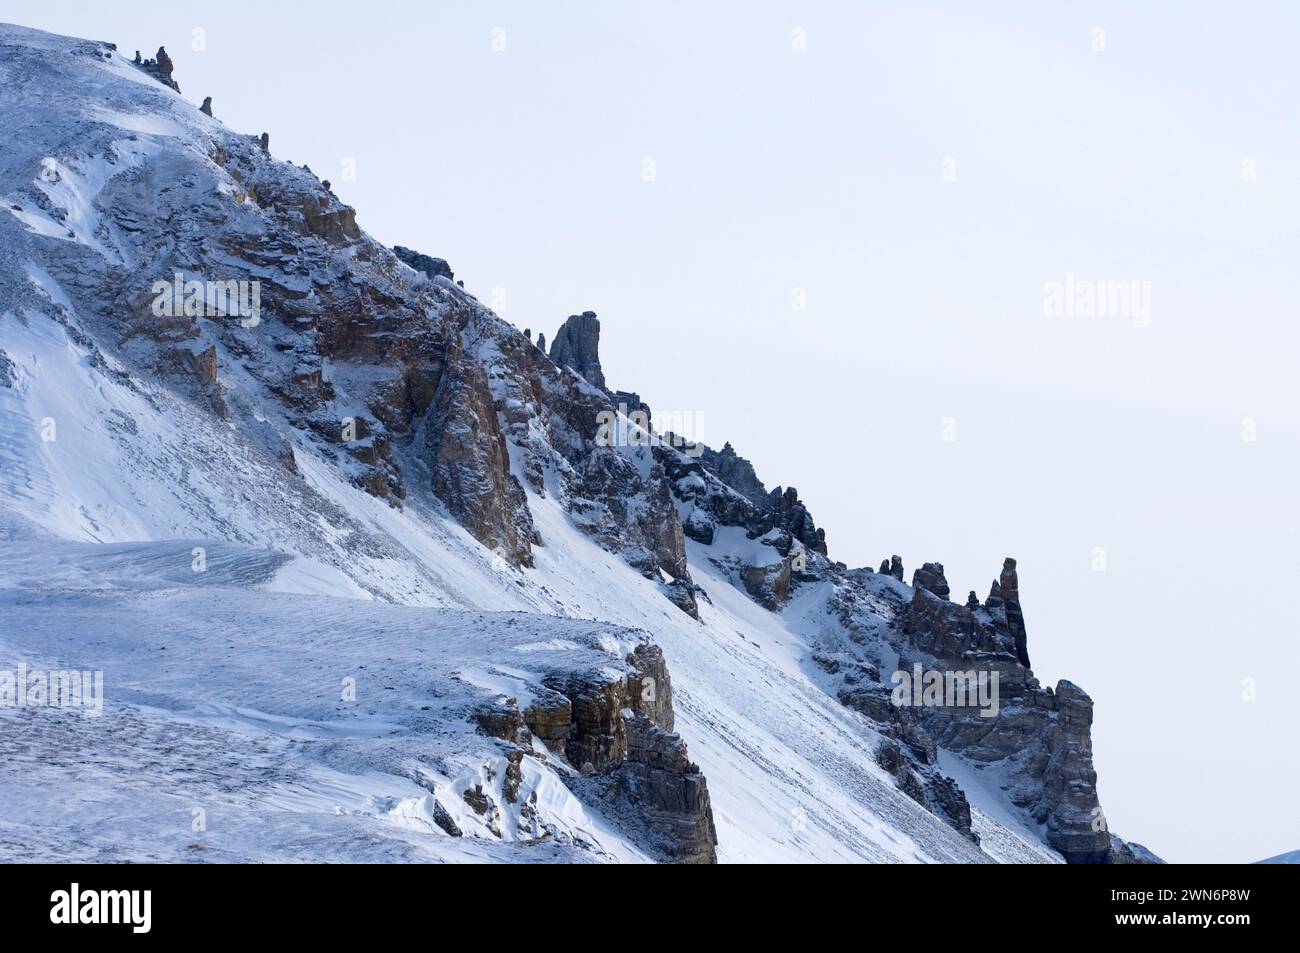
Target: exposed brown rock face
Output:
[
  {"x": 160, "y": 68},
  {"x": 552, "y": 420},
  {"x": 617, "y": 732},
  {"x": 930, "y": 577},
  {"x": 452, "y": 392},
  {"x": 1075, "y": 825},
  {"x": 769, "y": 585},
  {"x": 926, "y": 786},
  {"x": 1008, "y": 579},
  {"x": 669, "y": 793},
  {"x": 577, "y": 345},
  {"x": 205, "y": 366},
  {"x": 550, "y": 718},
  {"x": 471, "y": 461},
  {"x": 430, "y": 398},
  {"x": 597, "y": 733},
  {"x": 501, "y": 720},
  {"x": 1036, "y": 740},
  {"x": 165, "y": 65},
  {"x": 1042, "y": 736},
  {"x": 637, "y": 764},
  {"x": 1015, "y": 619}
]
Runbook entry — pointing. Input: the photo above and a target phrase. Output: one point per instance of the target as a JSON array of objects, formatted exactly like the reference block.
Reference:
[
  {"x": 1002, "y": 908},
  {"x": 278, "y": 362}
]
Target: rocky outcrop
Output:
[
  {"x": 616, "y": 732},
  {"x": 925, "y": 785},
  {"x": 293, "y": 199},
  {"x": 501, "y": 719},
  {"x": 930, "y": 577},
  {"x": 470, "y": 461},
  {"x": 577, "y": 345},
  {"x": 425, "y": 264},
  {"x": 163, "y": 64},
  {"x": 725, "y": 491},
  {"x": 1009, "y": 587},
  {"x": 206, "y": 108},
  {"x": 550, "y": 718},
  {"x": 622, "y": 496},
  {"x": 768, "y": 584},
  {"x": 907, "y": 752},
  {"x": 1041, "y": 737},
  {"x": 620, "y": 738},
  {"x": 668, "y": 793},
  {"x": 160, "y": 68},
  {"x": 1075, "y": 825},
  {"x": 736, "y": 472},
  {"x": 1035, "y": 741},
  {"x": 633, "y": 402},
  {"x": 789, "y": 513}
]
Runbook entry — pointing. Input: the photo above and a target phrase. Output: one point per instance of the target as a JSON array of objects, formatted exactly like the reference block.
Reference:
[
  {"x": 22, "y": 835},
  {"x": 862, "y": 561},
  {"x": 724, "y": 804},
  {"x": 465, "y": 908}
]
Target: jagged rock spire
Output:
[
  {"x": 206, "y": 108},
  {"x": 1005, "y": 593},
  {"x": 1009, "y": 581},
  {"x": 790, "y": 514},
  {"x": 577, "y": 345},
  {"x": 165, "y": 65},
  {"x": 160, "y": 68}
]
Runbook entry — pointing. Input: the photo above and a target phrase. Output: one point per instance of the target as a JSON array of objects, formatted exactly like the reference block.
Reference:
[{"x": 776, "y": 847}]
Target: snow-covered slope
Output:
[
  {"x": 1291, "y": 857},
  {"x": 178, "y": 511}
]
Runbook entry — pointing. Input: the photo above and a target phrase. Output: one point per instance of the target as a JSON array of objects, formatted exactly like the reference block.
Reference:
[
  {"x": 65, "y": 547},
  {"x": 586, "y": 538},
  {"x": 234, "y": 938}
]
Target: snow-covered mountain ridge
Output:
[{"x": 379, "y": 480}]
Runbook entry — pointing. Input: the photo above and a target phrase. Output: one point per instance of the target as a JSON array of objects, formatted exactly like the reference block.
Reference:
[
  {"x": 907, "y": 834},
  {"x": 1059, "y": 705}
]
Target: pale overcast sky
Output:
[{"x": 825, "y": 229}]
